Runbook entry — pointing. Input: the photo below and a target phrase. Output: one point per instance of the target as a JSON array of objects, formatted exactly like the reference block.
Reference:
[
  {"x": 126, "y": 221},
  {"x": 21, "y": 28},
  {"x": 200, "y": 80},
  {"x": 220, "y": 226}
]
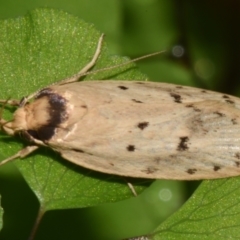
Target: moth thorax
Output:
[{"x": 37, "y": 114}]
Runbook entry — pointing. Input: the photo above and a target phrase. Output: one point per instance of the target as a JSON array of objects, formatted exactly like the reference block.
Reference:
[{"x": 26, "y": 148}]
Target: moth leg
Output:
[
  {"x": 132, "y": 189},
  {"x": 21, "y": 154},
  {"x": 76, "y": 77}
]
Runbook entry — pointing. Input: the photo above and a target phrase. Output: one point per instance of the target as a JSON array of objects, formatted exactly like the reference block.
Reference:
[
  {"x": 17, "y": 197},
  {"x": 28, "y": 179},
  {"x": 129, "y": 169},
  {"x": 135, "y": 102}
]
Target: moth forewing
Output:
[{"x": 139, "y": 129}]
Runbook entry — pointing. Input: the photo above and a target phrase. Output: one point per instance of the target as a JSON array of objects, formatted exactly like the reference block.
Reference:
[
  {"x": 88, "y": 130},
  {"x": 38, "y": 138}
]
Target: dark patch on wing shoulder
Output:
[
  {"x": 191, "y": 170},
  {"x": 143, "y": 125},
  {"x": 216, "y": 168},
  {"x": 131, "y": 148},
  {"x": 137, "y": 101},
  {"x": 182, "y": 146},
  {"x": 123, "y": 87},
  {"x": 177, "y": 97},
  {"x": 179, "y": 87},
  {"x": 56, "y": 111}
]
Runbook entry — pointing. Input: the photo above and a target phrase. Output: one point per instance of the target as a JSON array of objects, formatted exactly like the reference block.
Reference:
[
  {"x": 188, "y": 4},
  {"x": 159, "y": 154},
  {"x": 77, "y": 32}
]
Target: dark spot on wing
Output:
[
  {"x": 150, "y": 170},
  {"x": 84, "y": 106},
  {"x": 182, "y": 146},
  {"x": 229, "y": 101},
  {"x": 237, "y": 163},
  {"x": 131, "y": 148},
  {"x": 123, "y": 87},
  {"x": 137, "y": 101},
  {"x": 77, "y": 150},
  {"x": 179, "y": 87},
  {"x": 81, "y": 151},
  {"x": 219, "y": 114},
  {"x": 194, "y": 108},
  {"x": 225, "y": 96},
  {"x": 56, "y": 111},
  {"x": 191, "y": 170},
  {"x": 237, "y": 155},
  {"x": 216, "y": 168},
  {"x": 204, "y": 91},
  {"x": 140, "y": 82},
  {"x": 143, "y": 125},
  {"x": 177, "y": 97},
  {"x": 234, "y": 121}
]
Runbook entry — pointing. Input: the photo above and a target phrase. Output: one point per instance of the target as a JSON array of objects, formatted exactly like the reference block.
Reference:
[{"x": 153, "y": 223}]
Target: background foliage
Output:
[{"x": 208, "y": 33}]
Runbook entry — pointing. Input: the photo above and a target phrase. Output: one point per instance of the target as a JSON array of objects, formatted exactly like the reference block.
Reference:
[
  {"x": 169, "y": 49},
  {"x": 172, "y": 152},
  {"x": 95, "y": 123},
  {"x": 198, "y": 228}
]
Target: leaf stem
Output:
[{"x": 36, "y": 224}]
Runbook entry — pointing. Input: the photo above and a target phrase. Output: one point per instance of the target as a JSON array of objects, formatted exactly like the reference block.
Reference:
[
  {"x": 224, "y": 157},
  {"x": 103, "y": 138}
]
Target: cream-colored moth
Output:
[{"x": 132, "y": 128}]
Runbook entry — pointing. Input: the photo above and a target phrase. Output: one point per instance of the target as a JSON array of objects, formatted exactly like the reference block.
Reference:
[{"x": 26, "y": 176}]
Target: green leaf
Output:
[
  {"x": 37, "y": 50},
  {"x": 1, "y": 215},
  {"x": 216, "y": 45},
  {"x": 213, "y": 212}
]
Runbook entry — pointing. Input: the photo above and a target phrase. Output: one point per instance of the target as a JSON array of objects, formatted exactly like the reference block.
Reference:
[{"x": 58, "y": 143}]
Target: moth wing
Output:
[{"x": 152, "y": 132}]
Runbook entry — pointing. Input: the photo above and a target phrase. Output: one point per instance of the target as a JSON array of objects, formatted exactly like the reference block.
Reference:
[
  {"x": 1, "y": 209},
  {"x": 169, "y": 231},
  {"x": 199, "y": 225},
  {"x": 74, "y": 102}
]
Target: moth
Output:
[{"x": 132, "y": 128}]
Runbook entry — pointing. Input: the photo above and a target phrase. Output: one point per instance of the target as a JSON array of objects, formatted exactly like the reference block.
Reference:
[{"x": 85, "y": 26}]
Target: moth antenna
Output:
[
  {"x": 79, "y": 75},
  {"x": 76, "y": 77},
  {"x": 85, "y": 71}
]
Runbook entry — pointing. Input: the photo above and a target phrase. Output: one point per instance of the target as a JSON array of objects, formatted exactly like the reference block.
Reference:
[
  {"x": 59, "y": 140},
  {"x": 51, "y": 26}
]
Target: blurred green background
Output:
[{"x": 202, "y": 43}]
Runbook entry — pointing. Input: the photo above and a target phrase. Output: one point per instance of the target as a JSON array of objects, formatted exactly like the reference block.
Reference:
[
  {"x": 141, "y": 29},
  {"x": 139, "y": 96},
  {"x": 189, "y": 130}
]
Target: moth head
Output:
[
  {"x": 6, "y": 126},
  {"x": 30, "y": 116},
  {"x": 16, "y": 125}
]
